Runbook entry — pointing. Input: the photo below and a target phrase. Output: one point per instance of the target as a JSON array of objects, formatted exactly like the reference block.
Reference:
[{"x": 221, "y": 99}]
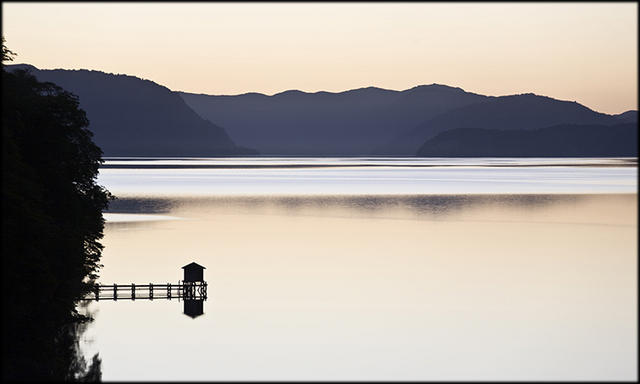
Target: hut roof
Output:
[{"x": 193, "y": 265}]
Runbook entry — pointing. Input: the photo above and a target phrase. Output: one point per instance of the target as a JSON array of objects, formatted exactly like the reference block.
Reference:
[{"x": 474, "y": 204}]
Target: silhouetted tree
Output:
[
  {"x": 7, "y": 55},
  {"x": 51, "y": 226}
]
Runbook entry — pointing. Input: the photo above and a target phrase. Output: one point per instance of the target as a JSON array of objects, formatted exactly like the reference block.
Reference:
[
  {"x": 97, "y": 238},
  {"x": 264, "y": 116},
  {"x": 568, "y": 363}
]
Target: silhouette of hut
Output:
[{"x": 193, "y": 272}]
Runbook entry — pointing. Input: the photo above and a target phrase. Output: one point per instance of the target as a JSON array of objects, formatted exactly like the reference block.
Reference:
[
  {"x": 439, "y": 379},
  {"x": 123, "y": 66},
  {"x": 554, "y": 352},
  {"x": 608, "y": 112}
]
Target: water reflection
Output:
[
  {"x": 193, "y": 307},
  {"x": 141, "y": 205},
  {"x": 418, "y": 205},
  {"x": 147, "y": 212},
  {"x": 431, "y": 287},
  {"x": 80, "y": 369}
]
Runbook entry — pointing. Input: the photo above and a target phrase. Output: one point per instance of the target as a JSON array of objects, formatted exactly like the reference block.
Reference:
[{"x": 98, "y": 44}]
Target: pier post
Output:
[
  {"x": 169, "y": 291},
  {"x": 115, "y": 291},
  {"x": 150, "y": 291},
  {"x": 133, "y": 291}
]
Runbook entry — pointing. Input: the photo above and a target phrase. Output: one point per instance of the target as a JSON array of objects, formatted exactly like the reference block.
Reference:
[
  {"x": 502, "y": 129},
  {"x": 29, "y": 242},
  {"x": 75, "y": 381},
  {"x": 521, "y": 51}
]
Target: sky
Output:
[{"x": 584, "y": 52}]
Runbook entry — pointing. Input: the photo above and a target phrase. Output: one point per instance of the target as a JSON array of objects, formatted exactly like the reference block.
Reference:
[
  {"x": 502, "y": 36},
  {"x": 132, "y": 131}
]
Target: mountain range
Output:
[
  {"x": 130, "y": 116},
  {"x": 349, "y": 123},
  {"x": 135, "y": 117},
  {"x": 375, "y": 121},
  {"x": 515, "y": 112}
]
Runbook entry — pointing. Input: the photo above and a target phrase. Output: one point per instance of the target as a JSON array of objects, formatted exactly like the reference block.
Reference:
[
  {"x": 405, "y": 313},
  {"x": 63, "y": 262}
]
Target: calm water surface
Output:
[{"x": 373, "y": 269}]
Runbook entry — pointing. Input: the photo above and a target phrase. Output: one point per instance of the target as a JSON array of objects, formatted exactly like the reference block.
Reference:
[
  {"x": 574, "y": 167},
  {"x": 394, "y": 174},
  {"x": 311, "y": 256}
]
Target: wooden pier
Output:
[
  {"x": 183, "y": 290},
  {"x": 192, "y": 290}
]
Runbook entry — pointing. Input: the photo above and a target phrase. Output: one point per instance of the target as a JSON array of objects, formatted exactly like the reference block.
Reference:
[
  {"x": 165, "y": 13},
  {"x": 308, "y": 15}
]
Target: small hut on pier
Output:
[{"x": 193, "y": 272}]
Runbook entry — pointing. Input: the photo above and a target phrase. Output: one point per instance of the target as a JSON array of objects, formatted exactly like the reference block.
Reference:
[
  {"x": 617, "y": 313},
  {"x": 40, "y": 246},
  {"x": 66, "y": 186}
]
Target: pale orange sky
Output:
[{"x": 585, "y": 52}]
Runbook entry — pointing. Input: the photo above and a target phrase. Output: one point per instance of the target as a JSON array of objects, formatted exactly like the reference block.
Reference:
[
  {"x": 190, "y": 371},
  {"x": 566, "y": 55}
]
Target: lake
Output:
[{"x": 373, "y": 269}]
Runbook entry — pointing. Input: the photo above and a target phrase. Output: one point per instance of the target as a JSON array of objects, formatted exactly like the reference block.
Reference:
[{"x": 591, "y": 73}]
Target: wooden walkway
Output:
[{"x": 183, "y": 290}]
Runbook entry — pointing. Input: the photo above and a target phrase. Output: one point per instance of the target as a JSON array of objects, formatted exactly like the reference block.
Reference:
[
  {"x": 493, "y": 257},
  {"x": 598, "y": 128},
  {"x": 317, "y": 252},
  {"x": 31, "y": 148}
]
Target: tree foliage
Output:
[
  {"x": 7, "y": 54},
  {"x": 51, "y": 226}
]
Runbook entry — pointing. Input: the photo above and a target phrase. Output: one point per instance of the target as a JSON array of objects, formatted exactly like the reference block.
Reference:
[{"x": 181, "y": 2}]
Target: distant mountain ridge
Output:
[
  {"x": 348, "y": 123},
  {"x": 130, "y": 116},
  {"x": 513, "y": 112},
  {"x": 376, "y": 121},
  {"x": 628, "y": 116}
]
